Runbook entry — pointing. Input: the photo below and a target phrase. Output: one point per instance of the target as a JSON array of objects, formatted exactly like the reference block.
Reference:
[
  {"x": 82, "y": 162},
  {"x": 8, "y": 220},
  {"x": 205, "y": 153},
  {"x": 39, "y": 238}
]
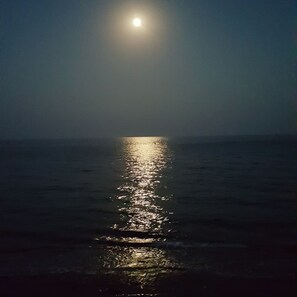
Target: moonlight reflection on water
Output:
[
  {"x": 145, "y": 159},
  {"x": 144, "y": 220}
]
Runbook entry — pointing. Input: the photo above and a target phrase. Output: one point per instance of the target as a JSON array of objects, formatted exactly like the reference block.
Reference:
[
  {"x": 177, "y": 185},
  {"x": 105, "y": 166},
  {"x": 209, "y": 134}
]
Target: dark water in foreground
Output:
[{"x": 141, "y": 208}]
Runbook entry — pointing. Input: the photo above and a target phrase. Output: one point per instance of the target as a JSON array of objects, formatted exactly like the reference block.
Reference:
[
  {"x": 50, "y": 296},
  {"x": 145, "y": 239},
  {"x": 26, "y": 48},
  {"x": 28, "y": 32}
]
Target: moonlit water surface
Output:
[
  {"x": 141, "y": 204},
  {"x": 139, "y": 194},
  {"x": 140, "y": 208}
]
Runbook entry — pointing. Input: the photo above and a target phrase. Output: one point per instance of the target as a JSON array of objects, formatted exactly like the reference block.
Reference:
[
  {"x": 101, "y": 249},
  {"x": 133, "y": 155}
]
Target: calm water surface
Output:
[{"x": 141, "y": 207}]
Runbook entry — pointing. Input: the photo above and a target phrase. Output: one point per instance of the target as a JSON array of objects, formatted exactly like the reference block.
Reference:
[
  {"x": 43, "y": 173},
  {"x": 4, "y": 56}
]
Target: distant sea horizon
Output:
[{"x": 102, "y": 137}]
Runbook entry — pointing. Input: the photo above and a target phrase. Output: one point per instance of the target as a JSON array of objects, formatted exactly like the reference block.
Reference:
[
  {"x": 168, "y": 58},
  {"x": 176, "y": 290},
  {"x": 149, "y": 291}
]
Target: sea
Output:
[{"x": 146, "y": 216}]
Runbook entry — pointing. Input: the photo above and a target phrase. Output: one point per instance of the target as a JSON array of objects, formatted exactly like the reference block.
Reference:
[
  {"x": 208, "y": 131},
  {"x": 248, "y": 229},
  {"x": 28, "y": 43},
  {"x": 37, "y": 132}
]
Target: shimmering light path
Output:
[
  {"x": 144, "y": 221},
  {"x": 145, "y": 159}
]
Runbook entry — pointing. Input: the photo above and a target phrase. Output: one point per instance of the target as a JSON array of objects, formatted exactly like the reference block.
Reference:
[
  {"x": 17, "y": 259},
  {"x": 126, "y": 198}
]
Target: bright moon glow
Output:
[{"x": 137, "y": 22}]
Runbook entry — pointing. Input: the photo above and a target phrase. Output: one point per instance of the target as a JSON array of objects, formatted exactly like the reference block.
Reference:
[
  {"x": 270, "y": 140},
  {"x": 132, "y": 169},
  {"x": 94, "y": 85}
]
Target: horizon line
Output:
[{"x": 145, "y": 136}]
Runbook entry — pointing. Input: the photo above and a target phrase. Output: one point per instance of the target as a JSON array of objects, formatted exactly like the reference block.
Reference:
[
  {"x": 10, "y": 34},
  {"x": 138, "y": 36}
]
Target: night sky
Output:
[{"x": 72, "y": 68}]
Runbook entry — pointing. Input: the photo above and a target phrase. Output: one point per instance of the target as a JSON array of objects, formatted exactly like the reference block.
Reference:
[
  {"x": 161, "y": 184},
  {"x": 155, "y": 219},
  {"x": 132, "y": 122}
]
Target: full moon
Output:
[{"x": 137, "y": 22}]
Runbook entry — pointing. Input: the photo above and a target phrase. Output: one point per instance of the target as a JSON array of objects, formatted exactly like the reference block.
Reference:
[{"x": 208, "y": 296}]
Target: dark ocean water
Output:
[{"x": 142, "y": 207}]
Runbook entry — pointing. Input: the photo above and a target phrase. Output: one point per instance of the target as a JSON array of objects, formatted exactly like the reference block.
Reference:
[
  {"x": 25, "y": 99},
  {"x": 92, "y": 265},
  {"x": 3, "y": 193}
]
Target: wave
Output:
[
  {"x": 151, "y": 242},
  {"x": 159, "y": 243}
]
